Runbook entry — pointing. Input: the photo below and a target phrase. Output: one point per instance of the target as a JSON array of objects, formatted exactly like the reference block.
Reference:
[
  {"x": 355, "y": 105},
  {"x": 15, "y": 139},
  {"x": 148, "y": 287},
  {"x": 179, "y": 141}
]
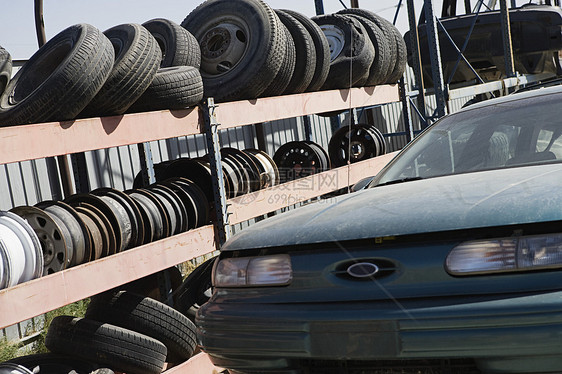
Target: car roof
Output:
[{"x": 542, "y": 91}]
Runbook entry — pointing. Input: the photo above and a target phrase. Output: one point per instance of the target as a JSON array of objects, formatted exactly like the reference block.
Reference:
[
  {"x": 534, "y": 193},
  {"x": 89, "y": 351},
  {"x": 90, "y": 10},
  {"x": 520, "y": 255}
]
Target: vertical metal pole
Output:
[
  {"x": 506, "y": 34},
  {"x": 147, "y": 164},
  {"x": 213, "y": 148},
  {"x": 260, "y": 137},
  {"x": 307, "y": 128},
  {"x": 435, "y": 56},
  {"x": 467, "y": 7},
  {"x": 354, "y": 3},
  {"x": 513, "y": 3},
  {"x": 406, "y": 112},
  {"x": 319, "y": 5},
  {"x": 417, "y": 64},
  {"x": 81, "y": 181}
]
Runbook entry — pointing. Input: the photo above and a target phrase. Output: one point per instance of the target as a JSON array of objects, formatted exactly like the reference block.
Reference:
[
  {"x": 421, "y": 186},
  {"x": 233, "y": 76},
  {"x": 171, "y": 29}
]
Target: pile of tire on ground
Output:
[
  {"x": 83, "y": 72},
  {"x": 280, "y": 51}
]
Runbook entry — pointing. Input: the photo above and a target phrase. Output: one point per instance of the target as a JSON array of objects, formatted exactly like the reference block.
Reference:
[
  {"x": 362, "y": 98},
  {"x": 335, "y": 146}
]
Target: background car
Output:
[{"x": 449, "y": 260}]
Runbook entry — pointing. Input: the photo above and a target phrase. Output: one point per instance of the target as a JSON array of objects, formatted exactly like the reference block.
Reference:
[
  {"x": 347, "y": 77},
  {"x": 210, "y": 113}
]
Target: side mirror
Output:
[{"x": 362, "y": 184}]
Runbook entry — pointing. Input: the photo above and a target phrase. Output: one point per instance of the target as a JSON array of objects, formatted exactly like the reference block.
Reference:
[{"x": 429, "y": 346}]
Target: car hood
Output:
[{"x": 472, "y": 200}]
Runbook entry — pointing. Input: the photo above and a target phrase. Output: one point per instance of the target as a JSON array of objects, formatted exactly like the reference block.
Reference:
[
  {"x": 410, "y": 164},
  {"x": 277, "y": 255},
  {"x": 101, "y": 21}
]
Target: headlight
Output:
[
  {"x": 272, "y": 270},
  {"x": 506, "y": 254}
]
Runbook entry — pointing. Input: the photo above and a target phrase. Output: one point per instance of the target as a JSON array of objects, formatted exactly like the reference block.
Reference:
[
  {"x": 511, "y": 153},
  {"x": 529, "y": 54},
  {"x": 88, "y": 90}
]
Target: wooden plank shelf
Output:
[{"x": 32, "y": 298}]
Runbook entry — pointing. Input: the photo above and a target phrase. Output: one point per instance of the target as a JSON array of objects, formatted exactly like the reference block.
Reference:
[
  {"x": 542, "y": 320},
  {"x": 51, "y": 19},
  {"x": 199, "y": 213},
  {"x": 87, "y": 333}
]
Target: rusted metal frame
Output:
[
  {"x": 213, "y": 149},
  {"x": 417, "y": 65},
  {"x": 147, "y": 163},
  {"x": 435, "y": 57},
  {"x": 35, "y": 297},
  {"x": 461, "y": 55},
  {"x": 61, "y": 169},
  {"x": 267, "y": 200},
  {"x": 506, "y": 36},
  {"x": 461, "y": 52}
]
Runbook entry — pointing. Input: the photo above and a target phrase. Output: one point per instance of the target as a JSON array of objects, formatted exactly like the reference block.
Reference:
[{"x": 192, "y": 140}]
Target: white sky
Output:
[{"x": 17, "y": 25}]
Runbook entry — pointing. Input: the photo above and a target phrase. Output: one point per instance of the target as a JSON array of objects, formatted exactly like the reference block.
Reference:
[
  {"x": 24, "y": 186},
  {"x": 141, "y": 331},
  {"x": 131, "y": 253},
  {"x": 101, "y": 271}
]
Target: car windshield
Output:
[{"x": 506, "y": 134}]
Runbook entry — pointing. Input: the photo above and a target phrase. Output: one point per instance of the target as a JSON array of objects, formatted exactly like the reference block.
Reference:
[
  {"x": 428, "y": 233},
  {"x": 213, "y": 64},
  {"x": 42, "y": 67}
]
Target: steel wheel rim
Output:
[
  {"x": 53, "y": 243},
  {"x": 336, "y": 40},
  {"x": 177, "y": 202},
  {"x": 171, "y": 208},
  {"x": 15, "y": 255},
  {"x": 151, "y": 212},
  {"x": 32, "y": 246},
  {"x": 96, "y": 236},
  {"x": 4, "y": 266},
  {"x": 187, "y": 201},
  {"x": 201, "y": 203},
  {"x": 223, "y": 45}
]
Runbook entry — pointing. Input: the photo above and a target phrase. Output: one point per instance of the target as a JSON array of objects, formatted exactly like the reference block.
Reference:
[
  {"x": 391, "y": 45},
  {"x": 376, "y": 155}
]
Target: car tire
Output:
[
  {"x": 349, "y": 62},
  {"x": 179, "y": 47},
  {"x": 305, "y": 54},
  {"x": 115, "y": 347},
  {"x": 60, "y": 79},
  {"x": 53, "y": 363},
  {"x": 175, "y": 87},
  {"x": 285, "y": 73},
  {"x": 252, "y": 48},
  {"x": 398, "y": 51},
  {"x": 321, "y": 47},
  {"x": 195, "y": 289},
  {"x": 5, "y": 69},
  {"x": 136, "y": 62},
  {"x": 148, "y": 317},
  {"x": 381, "y": 64}
]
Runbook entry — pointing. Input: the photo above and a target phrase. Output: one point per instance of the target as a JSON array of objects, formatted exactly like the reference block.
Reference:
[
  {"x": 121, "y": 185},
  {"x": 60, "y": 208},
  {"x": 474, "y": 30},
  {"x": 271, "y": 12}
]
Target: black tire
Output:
[
  {"x": 321, "y": 47},
  {"x": 398, "y": 52},
  {"x": 148, "y": 317},
  {"x": 175, "y": 87},
  {"x": 259, "y": 43},
  {"x": 285, "y": 73},
  {"x": 350, "y": 61},
  {"x": 115, "y": 347},
  {"x": 60, "y": 79},
  {"x": 195, "y": 289},
  {"x": 136, "y": 62},
  {"x": 381, "y": 65},
  {"x": 5, "y": 69},
  {"x": 305, "y": 54},
  {"x": 53, "y": 363},
  {"x": 179, "y": 47}
]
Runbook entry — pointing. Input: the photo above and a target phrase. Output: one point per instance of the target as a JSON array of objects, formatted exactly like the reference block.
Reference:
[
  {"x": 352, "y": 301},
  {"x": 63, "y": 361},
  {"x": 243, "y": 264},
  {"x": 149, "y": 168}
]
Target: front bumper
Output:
[{"x": 509, "y": 333}]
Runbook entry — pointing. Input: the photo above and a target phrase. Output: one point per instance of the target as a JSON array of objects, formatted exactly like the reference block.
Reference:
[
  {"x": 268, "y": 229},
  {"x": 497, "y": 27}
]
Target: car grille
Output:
[{"x": 459, "y": 366}]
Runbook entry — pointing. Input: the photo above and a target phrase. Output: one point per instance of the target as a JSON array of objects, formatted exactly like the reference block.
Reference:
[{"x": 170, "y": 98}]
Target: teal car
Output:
[{"x": 450, "y": 260}]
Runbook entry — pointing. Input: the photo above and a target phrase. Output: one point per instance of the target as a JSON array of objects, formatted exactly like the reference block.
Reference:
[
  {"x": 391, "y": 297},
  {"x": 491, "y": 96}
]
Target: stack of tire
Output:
[
  {"x": 55, "y": 235},
  {"x": 82, "y": 72},
  {"x": 126, "y": 332},
  {"x": 277, "y": 52},
  {"x": 52, "y": 363},
  {"x": 244, "y": 171}
]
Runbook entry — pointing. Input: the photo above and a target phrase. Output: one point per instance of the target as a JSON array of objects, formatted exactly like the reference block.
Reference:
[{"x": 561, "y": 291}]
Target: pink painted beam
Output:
[
  {"x": 257, "y": 203},
  {"x": 247, "y": 112},
  {"x": 44, "y": 294},
  {"x": 27, "y": 142},
  {"x": 198, "y": 364}
]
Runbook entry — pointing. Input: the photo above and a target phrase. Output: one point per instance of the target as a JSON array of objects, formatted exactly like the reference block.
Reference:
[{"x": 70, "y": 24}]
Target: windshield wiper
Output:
[{"x": 396, "y": 181}]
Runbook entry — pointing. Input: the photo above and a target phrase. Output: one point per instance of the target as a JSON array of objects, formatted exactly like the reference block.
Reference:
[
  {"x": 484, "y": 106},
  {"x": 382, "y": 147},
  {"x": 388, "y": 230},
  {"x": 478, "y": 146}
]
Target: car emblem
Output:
[{"x": 363, "y": 270}]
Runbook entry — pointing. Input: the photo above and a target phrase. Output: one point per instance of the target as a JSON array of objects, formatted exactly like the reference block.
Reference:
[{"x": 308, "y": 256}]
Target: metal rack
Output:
[{"x": 28, "y": 142}]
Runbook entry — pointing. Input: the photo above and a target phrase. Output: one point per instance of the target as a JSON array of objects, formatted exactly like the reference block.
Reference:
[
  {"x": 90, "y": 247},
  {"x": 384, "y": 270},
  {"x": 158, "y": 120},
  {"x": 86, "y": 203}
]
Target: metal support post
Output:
[
  {"x": 147, "y": 164},
  {"x": 307, "y": 128},
  {"x": 513, "y": 4},
  {"x": 406, "y": 113},
  {"x": 319, "y": 5},
  {"x": 506, "y": 34},
  {"x": 354, "y": 3},
  {"x": 467, "y": 7},
  {"x": 80, "y": 170},
  {"x": 213, "y": 148},
  {"x": 435, "y": 56},
  {"x": 417, "y": 65}
]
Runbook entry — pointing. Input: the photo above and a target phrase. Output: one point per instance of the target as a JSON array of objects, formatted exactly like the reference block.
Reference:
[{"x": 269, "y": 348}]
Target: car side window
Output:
[{"x": 548, "y": 140}]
